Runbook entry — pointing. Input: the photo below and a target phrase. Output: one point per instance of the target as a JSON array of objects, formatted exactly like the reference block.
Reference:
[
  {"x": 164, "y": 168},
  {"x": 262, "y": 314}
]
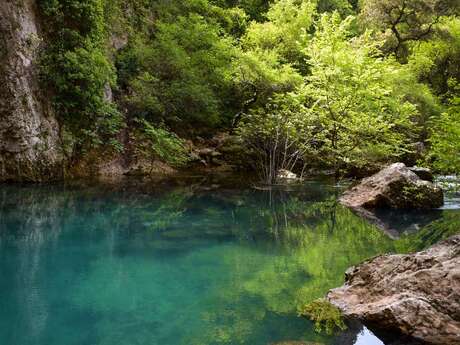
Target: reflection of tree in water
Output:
[
  {"x": 303, "y": 250},
  {"x": 445, "y": 226},
  {"x": 315, "y": 243},
  {"x": 293, "y": 246},
  {"x": 36, "y": 222},
  {"x": 30, "y": 219},
  {"x": 263, "y": 278},
  {"x": 169, "y": 212}
]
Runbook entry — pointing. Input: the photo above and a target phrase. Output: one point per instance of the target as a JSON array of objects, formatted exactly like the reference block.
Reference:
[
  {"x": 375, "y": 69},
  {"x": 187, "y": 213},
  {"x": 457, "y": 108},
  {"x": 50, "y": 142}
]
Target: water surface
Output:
[{"x": 196, "y": 265}]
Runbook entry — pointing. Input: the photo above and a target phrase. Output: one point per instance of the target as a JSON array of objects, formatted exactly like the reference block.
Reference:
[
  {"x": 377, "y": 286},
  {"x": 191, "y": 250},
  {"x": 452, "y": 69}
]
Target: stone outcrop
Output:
[
  {"x": 417, "y": 295},
  {"x": 396, "y": 186},
  {"x": 28, "y": 130},
  {"x": 424, "y": 173},
  {"x": 284, "y": 175}
]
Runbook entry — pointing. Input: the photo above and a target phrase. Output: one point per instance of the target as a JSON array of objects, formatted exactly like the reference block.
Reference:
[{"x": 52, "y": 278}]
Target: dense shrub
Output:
[
  {"x": 159, "y": 143},
  {"x": 76, "y": 68}
]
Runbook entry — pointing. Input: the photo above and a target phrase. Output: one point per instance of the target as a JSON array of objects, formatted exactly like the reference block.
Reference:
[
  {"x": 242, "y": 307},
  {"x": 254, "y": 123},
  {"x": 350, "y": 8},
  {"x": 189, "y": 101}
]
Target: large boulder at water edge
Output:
[
  {"x": 396, "y": 186},
  {"x": 417, "y": 294}
]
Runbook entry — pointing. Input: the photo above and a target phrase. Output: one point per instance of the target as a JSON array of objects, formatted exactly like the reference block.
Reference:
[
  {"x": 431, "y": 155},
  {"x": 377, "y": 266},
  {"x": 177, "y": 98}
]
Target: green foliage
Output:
[
  {"x": 277, "y": 135},
  {"x": 445, "y": 139},
  {"x": 354, "y": 109},
  {"x": 437, "y": 61},
  {"x": 344, "y": 7},
  {"x": 287, "y": 29},
  {"x": 326, "y": 316},
  {"x": 259, "y": 74},
  {"x": 362, "y": 115},
  {"x": 76, "y": 67},
  {"x": 256, "y": 9},
  {"x": 298, "y": 67},
  {"x": 183, "y": 75},
  {"x": 402, "y": 21},
  {"x": 158, "y": 143}
]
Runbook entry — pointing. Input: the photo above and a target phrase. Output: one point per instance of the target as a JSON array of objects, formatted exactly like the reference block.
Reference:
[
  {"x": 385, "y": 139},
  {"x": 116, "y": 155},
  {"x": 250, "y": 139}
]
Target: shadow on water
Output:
[{"x": 190, "y": 262}]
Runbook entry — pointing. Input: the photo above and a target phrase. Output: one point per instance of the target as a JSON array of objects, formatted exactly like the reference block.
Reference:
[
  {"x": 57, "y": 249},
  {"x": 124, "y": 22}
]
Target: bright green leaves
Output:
[
  {"x": 271, "y": 58},
  {"x": 353, "y": 109},
  {"x": 445, "y": 139},
  {"x": 258, "y": 74},
  {"x": 362, "y": 116},
  {"x": 438, "y": 60},
  {"x": 286, "y": 31}
]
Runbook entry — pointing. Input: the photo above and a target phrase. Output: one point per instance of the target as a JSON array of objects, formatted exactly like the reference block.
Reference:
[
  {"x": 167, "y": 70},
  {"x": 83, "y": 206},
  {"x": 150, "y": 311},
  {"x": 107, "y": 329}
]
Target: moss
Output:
[
  {"x": 327, "y": 317},
  {"x": 414, "y": 194}
]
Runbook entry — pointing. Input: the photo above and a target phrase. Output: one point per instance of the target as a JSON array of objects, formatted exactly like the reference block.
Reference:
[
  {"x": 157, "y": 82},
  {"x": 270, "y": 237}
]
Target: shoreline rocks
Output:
[
  {"x": 396, "y": 186},
  {"x": 284, "y": 176},
  {"x": 417, "y": 295},
  {"x": 423, "y": 173}
]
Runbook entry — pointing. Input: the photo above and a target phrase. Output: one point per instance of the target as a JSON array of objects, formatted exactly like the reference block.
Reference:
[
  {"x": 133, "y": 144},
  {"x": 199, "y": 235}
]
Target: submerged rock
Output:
[
  {"x": 286, "y": 175},
  {"x": 396, "y": 186},
  {"x": 417, "y": 294}
]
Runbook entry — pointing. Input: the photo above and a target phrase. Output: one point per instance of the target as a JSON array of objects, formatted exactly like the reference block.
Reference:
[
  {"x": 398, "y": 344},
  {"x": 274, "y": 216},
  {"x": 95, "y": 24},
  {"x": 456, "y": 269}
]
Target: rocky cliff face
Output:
[{"x": 29, "y": 149}]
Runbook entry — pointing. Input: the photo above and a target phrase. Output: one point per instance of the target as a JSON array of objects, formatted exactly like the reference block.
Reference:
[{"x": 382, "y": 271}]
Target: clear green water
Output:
[{"x": 183, "y": 265}]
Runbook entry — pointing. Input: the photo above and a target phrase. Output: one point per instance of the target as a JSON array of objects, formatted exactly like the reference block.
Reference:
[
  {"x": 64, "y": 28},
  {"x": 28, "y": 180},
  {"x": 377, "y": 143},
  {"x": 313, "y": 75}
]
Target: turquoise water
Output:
[{"x": 197, "y": 264}]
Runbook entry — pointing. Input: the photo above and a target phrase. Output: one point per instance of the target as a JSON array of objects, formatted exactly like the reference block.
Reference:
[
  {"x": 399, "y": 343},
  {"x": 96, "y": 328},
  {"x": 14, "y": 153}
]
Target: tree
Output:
[
  {"x": 437, "y": 61},
  {"x": 258, "y": 76},
  {"x": 76, "y": 68},
  {"x": 356, "y": 109},
  {"x": 277, "y": 136},
  {"x": 445, "y": 139},
  {"x": 272, "y": 58},
  {"x": 286, "y": 31},
  {"x": 183, "y": 75},
  {"x": 403, "y": 21},
  {"x": 361, "y": 116}
]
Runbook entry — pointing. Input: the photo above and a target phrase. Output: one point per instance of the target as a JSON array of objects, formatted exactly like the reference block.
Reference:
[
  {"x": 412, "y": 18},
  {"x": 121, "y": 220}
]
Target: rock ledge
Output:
[
  {"x": 417, "y": 294},
  {"x": 396, "y": 186}
]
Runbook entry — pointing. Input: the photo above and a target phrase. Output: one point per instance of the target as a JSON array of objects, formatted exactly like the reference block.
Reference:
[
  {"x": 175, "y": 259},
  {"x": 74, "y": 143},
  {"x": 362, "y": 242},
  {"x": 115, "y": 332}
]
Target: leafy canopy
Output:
[{"x": 354, "y": 95}]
